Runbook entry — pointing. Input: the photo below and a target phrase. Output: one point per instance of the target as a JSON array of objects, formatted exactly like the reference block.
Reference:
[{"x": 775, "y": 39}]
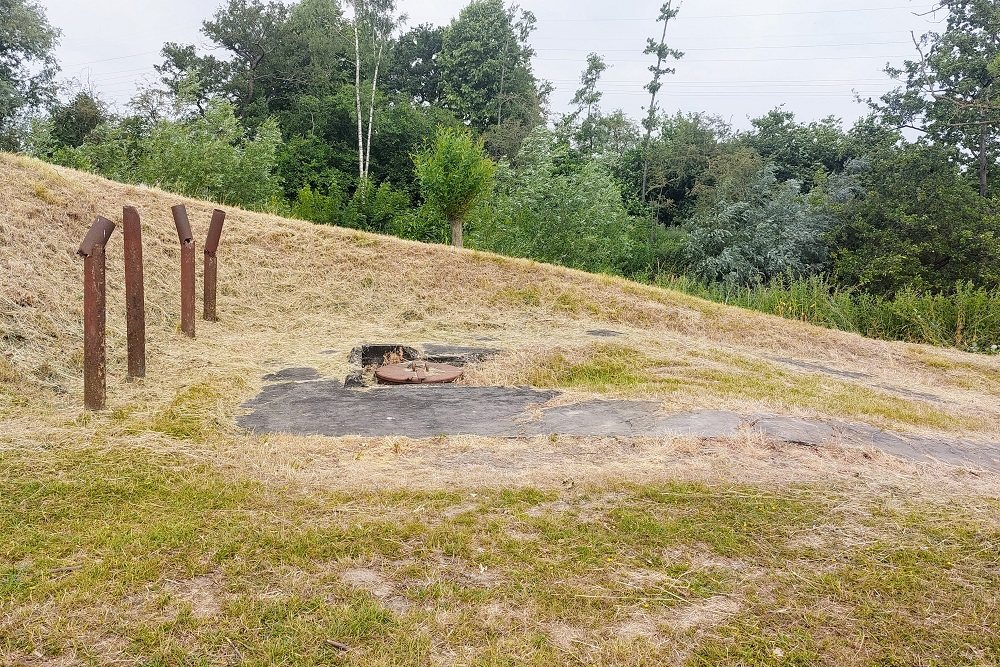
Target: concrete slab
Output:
[
  {"x": 325, "y": 407},
  {"x": 604, "y": 333},
  {"x": 457, "y": 355},
  {"x": 293, "y": 374}
]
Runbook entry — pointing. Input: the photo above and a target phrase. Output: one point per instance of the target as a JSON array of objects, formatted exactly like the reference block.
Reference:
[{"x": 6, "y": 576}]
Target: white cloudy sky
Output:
[{"x": 743, "y": 57}]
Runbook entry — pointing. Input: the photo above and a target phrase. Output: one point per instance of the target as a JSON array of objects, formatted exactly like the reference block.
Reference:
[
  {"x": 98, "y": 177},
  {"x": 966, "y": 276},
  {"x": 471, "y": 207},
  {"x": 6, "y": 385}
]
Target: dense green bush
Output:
[
  {"x": 373, "y": 208},
  {"x": 212, "y": 158},
  {"x": 916, "y": 222},
  {"x": 209, "y": 156},
  {"x": 752, "y": 228},
  {"x": 314, "y": 206},
  {"x": 554, "y": 210}
]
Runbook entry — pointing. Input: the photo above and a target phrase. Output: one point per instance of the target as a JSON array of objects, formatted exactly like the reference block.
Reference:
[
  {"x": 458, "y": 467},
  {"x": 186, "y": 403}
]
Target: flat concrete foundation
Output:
[{"x": 326, "y": 408}]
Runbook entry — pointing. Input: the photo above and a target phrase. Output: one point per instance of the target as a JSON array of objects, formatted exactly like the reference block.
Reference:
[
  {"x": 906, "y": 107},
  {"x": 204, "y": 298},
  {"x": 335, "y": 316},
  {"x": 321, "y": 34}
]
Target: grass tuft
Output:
[{"x": 190, "y": 416}]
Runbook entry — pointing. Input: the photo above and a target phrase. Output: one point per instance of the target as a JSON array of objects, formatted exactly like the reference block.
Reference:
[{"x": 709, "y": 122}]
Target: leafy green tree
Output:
[
  {"x": 316, "y": 58},
  {"x": 414, "y": 71},
  {"x": 798, "y": 150},
  {"x": 74, "y": 120},
  {"x": 952, "y": 90},
  {"x": 27, "y": 65},
  {"x": 486, "y": 74},
  {"x": 455, "y": 175},
  {"x": 913, "y": 220},
  {"x": 751, "y": 228},
  {"x": 557, "y": 209}
]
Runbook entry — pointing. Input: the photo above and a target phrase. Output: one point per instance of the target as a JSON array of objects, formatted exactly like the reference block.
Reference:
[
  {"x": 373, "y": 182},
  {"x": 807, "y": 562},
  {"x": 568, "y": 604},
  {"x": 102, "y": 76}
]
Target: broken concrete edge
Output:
[{"x": 298, "y": 374}]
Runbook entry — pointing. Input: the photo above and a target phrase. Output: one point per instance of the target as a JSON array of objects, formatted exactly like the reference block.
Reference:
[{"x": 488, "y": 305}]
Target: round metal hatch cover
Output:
[{"x": 418, "y": 372}]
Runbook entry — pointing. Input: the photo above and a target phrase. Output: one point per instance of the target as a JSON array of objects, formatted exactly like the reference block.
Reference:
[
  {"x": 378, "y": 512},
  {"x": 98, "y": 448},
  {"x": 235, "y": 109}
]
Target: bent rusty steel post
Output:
[
  {"x": 135, "y": 299},
  {"x": 212, "y": 264},
  {"x": 94, "y": 313},
  {"x": 187, "y": 268}
]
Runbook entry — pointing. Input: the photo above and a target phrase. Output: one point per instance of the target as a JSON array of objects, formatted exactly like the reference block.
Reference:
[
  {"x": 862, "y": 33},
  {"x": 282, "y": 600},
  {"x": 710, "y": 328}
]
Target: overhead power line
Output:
[
  {"x": 735, "y": 48},
  {"x": 735, "y": 16},
  {"x": 797, "y": 35},
  {"x": 745, "y": 60},
  {"x": 104, "y": 60}
]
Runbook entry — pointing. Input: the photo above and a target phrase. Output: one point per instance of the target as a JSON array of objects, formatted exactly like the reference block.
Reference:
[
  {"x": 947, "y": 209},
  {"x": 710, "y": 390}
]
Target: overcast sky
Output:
[{"x": 742, "y": 58}]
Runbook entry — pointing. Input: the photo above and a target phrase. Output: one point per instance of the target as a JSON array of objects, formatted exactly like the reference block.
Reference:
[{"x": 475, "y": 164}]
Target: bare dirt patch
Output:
[
  {"x": 379, "y": 586},
  {"x": 702, "y": 615},
  {"x": 203, "y": 595}
]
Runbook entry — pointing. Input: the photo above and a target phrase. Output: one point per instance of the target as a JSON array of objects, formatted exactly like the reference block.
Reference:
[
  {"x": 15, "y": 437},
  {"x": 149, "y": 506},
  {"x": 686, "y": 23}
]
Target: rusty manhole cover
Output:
[{"x": 418, "y": 372}]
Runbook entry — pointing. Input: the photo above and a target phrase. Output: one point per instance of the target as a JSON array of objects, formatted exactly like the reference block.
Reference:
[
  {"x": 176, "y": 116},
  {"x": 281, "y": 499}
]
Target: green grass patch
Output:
[
  {"x": 622, "y": 370},
  {"x": 129, "y": 556},
  {"x": 527, "y": 296},
  {"x": 191, "y": 415},
  {"x": 919, "y": 593}
]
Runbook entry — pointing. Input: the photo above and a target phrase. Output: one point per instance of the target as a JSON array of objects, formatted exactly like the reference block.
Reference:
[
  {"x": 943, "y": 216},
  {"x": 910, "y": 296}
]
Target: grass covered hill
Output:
[{"x": 159, "y": 533}]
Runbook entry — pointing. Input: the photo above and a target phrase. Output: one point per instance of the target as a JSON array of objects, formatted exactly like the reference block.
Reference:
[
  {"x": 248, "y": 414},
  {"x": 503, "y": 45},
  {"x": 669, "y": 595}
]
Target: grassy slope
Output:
[{"x": 156, "y": 533}]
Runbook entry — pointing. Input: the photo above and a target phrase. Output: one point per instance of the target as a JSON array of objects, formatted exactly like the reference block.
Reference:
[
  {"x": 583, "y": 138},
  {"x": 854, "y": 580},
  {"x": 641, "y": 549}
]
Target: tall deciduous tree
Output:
[
  {"x": 486, "y": 74},
  {"x": 586, "y": 100},
  {"x": 454, "y": 176},
  {"x": 191, "y": 79},
  {"x": 415, "y": 68},
  {"x": 952, "y": 90},
  {"x": 27, "y": 66},
  {"x": 251, "y": 31},
  {"x": 374, "y": 23},
  {"x": 663, "y": 53}
]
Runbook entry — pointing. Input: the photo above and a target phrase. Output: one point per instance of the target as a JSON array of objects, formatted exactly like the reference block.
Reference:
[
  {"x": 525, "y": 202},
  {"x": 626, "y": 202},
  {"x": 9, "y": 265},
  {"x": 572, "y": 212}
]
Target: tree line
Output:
[{"x": 338, "y": 114}]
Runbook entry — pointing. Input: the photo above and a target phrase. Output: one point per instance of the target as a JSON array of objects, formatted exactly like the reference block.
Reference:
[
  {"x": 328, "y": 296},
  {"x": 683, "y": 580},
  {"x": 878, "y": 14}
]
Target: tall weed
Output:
[{"x": 967, "y": 319}]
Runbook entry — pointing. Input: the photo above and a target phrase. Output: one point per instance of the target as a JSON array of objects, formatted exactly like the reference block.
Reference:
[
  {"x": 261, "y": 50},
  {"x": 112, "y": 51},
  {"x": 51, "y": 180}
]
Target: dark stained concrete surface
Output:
[{"x": 325, "y": 407}]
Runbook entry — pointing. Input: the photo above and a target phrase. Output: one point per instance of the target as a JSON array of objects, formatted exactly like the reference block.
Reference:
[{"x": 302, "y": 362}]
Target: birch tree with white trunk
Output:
[{"x": 375, "y": 21}]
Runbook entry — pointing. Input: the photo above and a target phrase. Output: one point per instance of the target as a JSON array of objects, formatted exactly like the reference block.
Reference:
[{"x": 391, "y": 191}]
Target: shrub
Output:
[{"x": 556, "y": 211}]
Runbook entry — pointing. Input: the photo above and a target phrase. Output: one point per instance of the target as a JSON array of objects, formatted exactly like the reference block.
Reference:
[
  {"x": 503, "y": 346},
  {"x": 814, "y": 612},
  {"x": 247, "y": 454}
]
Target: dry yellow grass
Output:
[
  {"x": 291, "y": 291},
  {"x": 157, "y": 532}
]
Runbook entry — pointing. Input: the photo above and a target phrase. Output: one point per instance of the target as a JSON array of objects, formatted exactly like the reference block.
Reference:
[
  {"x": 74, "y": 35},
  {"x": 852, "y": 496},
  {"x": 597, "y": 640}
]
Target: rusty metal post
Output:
[
  {"x": 212, "y": 264},
  {"x": 135, "y": 299},
  {"x": 94, "y": 313},
  {"x": 187, "y": 268}
]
